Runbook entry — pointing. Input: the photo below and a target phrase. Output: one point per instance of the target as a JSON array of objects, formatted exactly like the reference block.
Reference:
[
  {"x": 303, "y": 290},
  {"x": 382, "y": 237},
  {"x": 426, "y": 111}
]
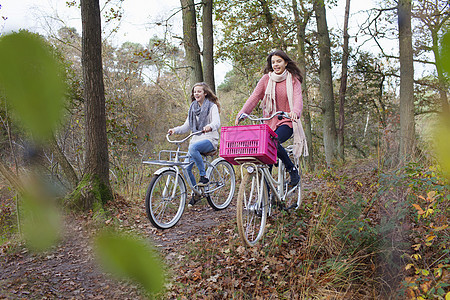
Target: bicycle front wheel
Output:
[
  {"x": 165, "y": 199},
  {"x": 252, "y": 206},
  {"x": 222, "y": 185}
]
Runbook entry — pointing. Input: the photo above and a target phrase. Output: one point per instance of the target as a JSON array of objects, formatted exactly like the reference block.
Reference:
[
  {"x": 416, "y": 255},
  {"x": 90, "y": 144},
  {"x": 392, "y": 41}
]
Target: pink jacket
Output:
[{"x": 280, "y": 98}]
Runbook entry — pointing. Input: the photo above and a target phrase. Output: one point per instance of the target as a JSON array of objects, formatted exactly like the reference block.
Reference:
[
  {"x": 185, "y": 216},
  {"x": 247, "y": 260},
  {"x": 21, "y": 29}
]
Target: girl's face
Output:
[
  {"x": 278, "y": 64},
  {"x": 199, "y": 94}
]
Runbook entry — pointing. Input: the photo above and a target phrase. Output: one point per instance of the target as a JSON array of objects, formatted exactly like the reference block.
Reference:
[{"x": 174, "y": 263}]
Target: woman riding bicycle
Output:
[
  {"x": 203, "y": 115},
  {"x": 280, "y": 90}
]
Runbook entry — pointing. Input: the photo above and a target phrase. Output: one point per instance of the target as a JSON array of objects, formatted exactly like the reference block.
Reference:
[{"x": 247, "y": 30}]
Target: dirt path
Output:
[
  {"x": 195, "y": 221},
  {"x": 69, "y": 271}
]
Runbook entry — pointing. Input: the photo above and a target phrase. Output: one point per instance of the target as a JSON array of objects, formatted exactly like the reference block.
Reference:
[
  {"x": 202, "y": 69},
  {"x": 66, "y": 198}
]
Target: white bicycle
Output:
[
  {"x": 166, "y": 194},
  {"x": 254, "y": 203}
]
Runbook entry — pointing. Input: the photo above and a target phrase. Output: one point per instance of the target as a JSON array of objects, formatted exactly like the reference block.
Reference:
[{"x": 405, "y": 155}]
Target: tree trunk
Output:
[
  {"x": 208, "y": 44},
  {"x": 343, "y": 87},
  {"x": 407, "y": 125},
  {"x": 271, "y": 25},
  {"x": 96, "y": 187},
  {"x": 301, "y": 33},
  {"x": 191, "y": 43},
  {"x": 326, "y": 84}
]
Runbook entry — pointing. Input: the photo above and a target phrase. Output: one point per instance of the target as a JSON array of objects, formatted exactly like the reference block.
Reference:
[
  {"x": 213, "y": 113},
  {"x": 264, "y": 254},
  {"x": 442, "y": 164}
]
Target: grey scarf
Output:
[{"x": 198, "y": 115}]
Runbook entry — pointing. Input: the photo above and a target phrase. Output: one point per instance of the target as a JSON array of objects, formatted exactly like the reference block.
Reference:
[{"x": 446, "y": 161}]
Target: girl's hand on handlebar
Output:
[
  {"x": 293, "y": 115},
  {"x": 207, "y": 128},
  {"x": 170, "y": 131}
]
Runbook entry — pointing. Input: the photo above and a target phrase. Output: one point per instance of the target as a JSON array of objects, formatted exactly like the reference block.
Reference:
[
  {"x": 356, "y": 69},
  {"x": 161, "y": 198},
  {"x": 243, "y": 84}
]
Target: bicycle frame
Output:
[
  {"x": 180, "y": 160},
  {"x": 167, "y": 191},
  {"x": 255, "y": 203},
  {"x": 276, "y": 186}
]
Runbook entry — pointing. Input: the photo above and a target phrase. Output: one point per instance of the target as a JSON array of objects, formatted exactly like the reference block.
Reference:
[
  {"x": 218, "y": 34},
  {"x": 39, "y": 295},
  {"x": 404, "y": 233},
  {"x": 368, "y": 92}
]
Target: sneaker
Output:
[
  {"x": 195, "y": 198},
  {"x": 295, "y": 178},
  {"x": 203, "y": 181}
]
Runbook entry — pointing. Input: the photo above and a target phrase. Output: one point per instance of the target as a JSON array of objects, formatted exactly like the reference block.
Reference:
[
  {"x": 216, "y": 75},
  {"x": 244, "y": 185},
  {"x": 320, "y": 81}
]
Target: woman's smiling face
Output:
[
  {"x": 278, "y": 64},
  {"x": 199, "y": 94}
]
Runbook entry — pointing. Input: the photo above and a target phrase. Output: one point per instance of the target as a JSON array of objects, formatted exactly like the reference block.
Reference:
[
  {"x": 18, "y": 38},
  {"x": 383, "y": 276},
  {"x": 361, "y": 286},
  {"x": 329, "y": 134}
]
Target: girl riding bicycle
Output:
[
  {"x": 203, "y": 115},
  {"x": 280, "y": 90}
]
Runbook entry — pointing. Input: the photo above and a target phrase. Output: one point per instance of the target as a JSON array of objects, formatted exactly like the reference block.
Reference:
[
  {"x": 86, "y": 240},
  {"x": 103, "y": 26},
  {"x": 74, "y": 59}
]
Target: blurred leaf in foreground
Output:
[
  {"x": 443, "y": 142},
  {"x": 445, "y": 52},
  {"x": 129, "y": 257},
  {"x": 41, "y": 223},
  {"x": 443, "y": 130},
  {"x": 32, "y": 82}
]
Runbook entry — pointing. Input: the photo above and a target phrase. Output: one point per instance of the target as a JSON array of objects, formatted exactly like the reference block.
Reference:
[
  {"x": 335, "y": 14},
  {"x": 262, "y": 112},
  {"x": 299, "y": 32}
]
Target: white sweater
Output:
[{"x": 213, "y": 122}]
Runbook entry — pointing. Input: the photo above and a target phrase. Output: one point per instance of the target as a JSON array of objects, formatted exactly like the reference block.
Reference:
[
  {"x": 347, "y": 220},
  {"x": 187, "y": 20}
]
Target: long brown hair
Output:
[
  {"x": 291, "y": 65},
  {"x": 208, "y": 93}
]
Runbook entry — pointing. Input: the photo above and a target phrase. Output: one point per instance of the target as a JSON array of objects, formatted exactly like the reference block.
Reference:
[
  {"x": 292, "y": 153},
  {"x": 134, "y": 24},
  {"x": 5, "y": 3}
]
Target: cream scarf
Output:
[{"x": 269, "y": 106}]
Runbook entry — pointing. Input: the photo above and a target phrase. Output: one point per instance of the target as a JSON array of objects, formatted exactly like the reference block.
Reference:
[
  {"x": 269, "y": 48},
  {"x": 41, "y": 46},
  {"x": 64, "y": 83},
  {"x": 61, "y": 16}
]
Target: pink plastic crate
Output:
[{"x": 257, "y": 143}]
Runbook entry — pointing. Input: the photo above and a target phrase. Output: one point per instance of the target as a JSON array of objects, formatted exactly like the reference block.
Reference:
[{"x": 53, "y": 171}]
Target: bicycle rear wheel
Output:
[
  {"x": 252, "y": 206},
  {"x": 165, "y": 199},
  {"x": 222, "y": 185}
]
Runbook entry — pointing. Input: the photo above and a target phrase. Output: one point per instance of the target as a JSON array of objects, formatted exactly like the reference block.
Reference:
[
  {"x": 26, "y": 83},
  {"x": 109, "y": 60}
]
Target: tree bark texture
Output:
[
  {"x": 301, "y": 33},
  {"x": 208, "y": 44},
  {"x": 407, "y": 124},
  {"x": 343, "y": 86},
  {"x": 326, "y": 84},
  {"x": 96, "y": 152},
  {"x": 190, "y": 42}
]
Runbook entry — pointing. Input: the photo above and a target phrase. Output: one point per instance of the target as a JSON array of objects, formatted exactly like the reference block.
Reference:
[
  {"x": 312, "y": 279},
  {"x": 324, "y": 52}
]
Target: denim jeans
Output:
[
  {"x": 195, "y": 156},
  {"x": 284, "y": 132}
]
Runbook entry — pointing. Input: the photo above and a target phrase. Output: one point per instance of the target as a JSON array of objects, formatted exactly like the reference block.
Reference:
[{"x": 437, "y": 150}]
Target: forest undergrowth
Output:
[{"x": 360, "y": 233}]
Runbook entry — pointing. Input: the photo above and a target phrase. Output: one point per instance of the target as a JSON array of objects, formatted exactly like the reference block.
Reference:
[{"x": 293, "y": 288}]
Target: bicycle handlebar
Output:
[
  {"x": 280, "y": 114},
  {"x": 183, "y": 140}
]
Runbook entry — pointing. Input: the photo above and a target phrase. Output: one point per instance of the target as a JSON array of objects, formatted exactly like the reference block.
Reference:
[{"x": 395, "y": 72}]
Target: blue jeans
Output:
[
  {"x": 195, "y": 156},
  {"x": 284, "y": 132}
]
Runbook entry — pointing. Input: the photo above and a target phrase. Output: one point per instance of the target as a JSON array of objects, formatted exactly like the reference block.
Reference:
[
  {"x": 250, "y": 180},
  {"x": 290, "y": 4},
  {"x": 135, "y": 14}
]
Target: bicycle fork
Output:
[
  {"x": 258, "y": 207},
  {"x": 166, "y": 186}
]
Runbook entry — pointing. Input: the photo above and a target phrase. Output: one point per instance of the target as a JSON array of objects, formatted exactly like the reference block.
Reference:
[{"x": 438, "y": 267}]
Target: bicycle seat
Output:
[{"x": 212, "y": 153}]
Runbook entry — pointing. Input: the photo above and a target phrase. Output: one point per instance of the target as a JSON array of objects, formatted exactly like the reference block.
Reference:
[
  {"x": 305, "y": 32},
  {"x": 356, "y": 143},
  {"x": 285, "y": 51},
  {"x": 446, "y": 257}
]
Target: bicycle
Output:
[
  {"x": 253, "y": 203},
  {"x": 165, "y": 199}
]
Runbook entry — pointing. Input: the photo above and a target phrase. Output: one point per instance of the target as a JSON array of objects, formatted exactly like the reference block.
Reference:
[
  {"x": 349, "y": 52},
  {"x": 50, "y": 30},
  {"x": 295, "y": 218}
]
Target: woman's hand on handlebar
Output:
[
  {"x": 170, "y": 131},
  {"x": 239, "y": 118},
  {"x": 280, "y": 114}
]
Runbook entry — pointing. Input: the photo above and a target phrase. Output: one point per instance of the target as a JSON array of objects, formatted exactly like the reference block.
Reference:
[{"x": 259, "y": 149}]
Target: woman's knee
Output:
[{"x": 192, "y": 149}]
